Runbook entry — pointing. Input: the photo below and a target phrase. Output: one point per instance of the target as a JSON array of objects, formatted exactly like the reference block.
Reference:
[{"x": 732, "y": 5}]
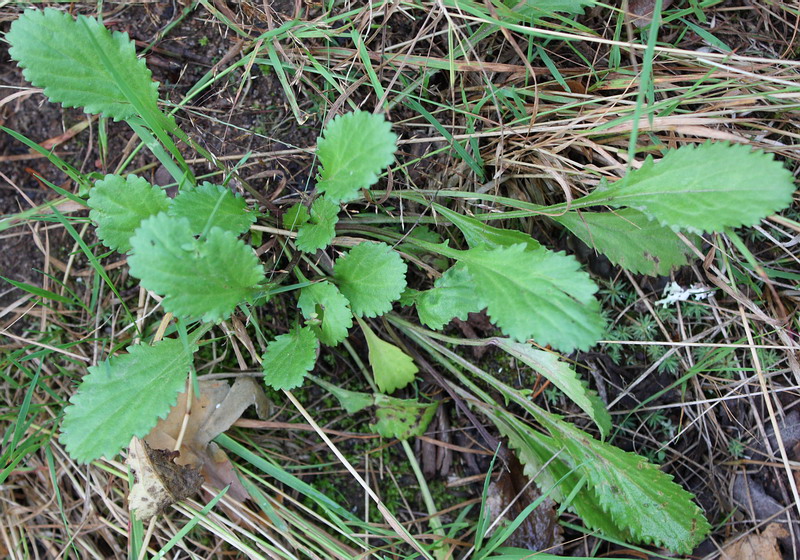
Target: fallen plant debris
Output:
[
  {"x": 762, "y": 546},
  {"x": 212, "y": 412},
  {"x": 456, "y": 170},
  {"x": 160, "y": 482}
]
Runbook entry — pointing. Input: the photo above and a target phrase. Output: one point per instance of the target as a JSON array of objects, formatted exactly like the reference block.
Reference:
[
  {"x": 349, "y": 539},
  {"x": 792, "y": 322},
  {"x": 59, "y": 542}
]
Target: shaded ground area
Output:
[{"x": 680, "y": 381}]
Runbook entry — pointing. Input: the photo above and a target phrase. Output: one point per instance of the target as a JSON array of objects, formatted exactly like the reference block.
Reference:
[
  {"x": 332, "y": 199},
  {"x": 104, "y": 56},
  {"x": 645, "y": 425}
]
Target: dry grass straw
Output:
[{"x": 550, "y": 145}]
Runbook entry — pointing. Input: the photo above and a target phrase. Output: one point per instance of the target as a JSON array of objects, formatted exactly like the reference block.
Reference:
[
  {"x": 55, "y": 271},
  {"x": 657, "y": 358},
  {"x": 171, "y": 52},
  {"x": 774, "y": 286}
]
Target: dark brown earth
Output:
[{"x": 258, "y": 118}]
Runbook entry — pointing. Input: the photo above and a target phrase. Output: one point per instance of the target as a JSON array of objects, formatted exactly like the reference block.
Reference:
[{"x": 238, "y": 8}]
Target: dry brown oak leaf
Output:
[
  {"x": 212, "y": 412},
  {"x": 757, "y": 547}
]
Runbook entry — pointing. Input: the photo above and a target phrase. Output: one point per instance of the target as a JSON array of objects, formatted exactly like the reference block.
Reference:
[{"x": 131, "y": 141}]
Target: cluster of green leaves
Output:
[
  {"x": 616, "y": 493},
  {"x": 190, "y": 250}
]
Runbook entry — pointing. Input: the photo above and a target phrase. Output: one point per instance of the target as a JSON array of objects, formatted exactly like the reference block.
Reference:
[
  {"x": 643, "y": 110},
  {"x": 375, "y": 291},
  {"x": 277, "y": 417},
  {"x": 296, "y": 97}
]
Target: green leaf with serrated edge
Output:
[
  {"x": 289, "y": 357},
  {"x": 703, "y": 188},
  {"x": 562, "y": 376},
  {"x": 631, "y": 489},
  {"x": 452, "y": 295},
  {"x": 123, "y": 397},
  {"x": 295, "y": 217},
  {"x": 199, "y": 279},
  {"x": 351, "y": 401},
  {"x": 325, "y": 302},
  {"x": 68, "y": 58},
  {"x": 479, "y": 233},
  {"x": 540, "y": 457},
  {"x": 402, "y": 418},
  {"x": 319, "y": 230},
  {"x": 541, "y": 454},
  {"x": 635, "y": 493},
  {"x": 371, "y": 276},
  {"x": 352, "y": 150},
  {"x": 629, "y": 239},
  {"x": 210, "y": 206},
  {"x": 391, "y": 367},
  {"x": 120, "y": 204},
  {"x": 536, "y": 294}
]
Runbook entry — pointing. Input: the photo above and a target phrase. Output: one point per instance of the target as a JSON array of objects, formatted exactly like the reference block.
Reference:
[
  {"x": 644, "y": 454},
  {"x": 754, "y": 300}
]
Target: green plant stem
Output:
[
  {"x": 434, "y": 521},
  {"x": 364, "y": 369}
]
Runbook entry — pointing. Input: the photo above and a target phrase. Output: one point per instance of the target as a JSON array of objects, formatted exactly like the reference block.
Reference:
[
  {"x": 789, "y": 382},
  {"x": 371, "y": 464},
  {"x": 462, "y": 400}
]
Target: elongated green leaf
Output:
[
  {"x": 68, "y": 57},
  {"x": 636, "y": 496},
  {"x": 402, "y": 418},
  {"x": 319, "y": 230},
  {"x": 704, "y": 188},
  {"x": 541, "y": 458},
  {"x": 391, "y": 367},
  {"x": 42, "y": 293},
  {"x": 629, "y": 239},
  {"x": 324, "y": 303},
  {"x": 371, "y": 276},
  {"x": 209, "y": 206},
  {"x": 120, "y": 204},
  {"x": 536, "y": 294},
  {"x": 452, "y": 295},
  {"x": 562, "y": 376},
  {"x": 480, "y": 233},
  {"x": 198, "y": 279},
  {"x": 289, "y": 357},
  {"x": 123, "y": 397},
  {"x": 352, "y": 150},
  {"x": 351, "y": 401},
  {"x": 635, "y": 493}
]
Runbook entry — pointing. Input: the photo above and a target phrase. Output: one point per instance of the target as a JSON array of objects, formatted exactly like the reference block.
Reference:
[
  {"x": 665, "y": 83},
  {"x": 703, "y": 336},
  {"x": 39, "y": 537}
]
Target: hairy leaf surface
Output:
[
  {"x": 630, "y": 239},
  {"x": 704, "y": 188},
  {"x": 319, "y": 230},
  {"x": 199, "y": 279},
  {"x": 352, "y": 150},
  {"x": 536, "y": 294},
  {"x": 289, "y": 357},
  {"x": 123, "y": 397},
  {"x": 209, "y": 206},
  {"x": 81, "y": 64},
  {"x": 562, "y": 376},
  {"x": 325, "y": 302},
  {"x": 391, "y": 367},
  {"x": 371, "y": 276},
  {"x": 120, "y": 204},
  {"x": 452, "y": 295}
]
